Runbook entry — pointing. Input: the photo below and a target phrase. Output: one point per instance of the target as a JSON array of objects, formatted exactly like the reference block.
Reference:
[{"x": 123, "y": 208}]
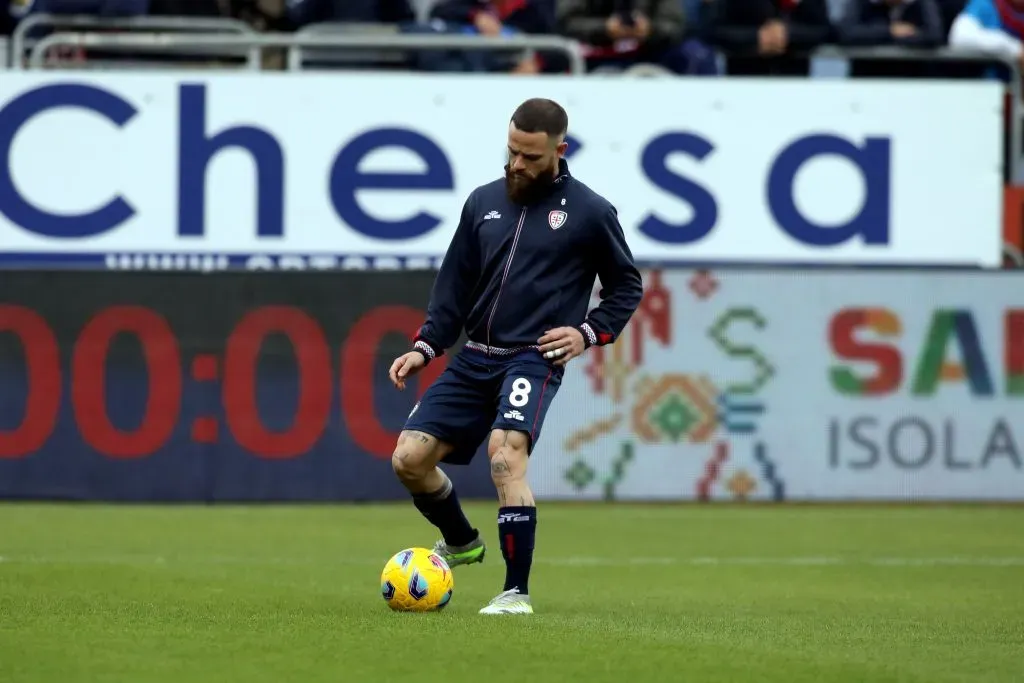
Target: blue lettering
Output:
[
  {"x": 196, "y": 150},
  {"x": 705, "y": 210},
  {"x": 198, "y": 147},
  {"x": 871, "y": 223},
  {"x": 346, "y": 180},
  {"x": 16, "y": 114},
  {"x": 574, "y": 146}
]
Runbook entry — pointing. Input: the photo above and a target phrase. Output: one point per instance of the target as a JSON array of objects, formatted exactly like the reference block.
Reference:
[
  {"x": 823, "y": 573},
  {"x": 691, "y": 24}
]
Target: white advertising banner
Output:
[
  {"x": 323, "y": 171},
  {"x": 818, "y": 385}
]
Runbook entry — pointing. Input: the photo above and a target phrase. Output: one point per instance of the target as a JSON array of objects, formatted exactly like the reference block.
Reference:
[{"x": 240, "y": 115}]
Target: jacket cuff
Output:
[
  {"x": 428, "y": 350},
  {"x": 589, "y": 336}
]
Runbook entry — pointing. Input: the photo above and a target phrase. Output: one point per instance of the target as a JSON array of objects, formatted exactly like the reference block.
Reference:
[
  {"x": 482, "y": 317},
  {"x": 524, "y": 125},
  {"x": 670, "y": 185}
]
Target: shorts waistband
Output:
[{"x": 499, "y": 350}]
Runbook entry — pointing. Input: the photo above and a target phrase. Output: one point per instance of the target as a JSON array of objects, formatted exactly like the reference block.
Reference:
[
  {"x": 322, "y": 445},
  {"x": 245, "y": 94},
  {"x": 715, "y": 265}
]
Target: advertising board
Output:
[
  {"x": 356, "y": 171},
  {"x": 208, "y": 387},
  {"x": 726, "y": 385},
  {"x": 819, "y": 385}
]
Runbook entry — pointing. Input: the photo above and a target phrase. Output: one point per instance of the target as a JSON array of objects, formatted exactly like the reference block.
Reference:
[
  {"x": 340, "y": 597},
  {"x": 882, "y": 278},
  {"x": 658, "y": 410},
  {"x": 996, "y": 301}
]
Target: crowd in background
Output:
[{"x": 756, "y": 37}]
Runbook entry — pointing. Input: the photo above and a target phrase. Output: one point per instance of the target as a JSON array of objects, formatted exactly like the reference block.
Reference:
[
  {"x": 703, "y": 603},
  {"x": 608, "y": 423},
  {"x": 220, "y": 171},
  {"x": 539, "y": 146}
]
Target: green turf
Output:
[{"x": 630, "y": 594}]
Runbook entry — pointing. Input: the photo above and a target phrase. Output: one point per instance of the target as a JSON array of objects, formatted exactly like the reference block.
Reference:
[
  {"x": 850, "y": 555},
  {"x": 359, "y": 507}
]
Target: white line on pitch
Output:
[{"x": 577, "y": 561}]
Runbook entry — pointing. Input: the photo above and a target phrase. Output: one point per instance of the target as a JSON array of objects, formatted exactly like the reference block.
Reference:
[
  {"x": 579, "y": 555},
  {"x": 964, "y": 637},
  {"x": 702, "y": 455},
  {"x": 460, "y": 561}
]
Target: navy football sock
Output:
[
  {"x": 442, "y": 509},
  {"x": 517, "y": 529}
]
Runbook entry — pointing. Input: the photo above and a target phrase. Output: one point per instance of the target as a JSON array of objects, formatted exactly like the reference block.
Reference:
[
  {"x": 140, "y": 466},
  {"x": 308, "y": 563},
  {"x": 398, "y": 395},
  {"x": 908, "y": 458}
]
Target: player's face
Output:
[{"x": 532, "y": 163}]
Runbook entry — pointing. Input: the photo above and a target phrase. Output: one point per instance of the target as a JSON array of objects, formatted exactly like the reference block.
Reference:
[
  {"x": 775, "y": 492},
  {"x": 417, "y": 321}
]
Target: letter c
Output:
[{"x": 16, "y": 114}]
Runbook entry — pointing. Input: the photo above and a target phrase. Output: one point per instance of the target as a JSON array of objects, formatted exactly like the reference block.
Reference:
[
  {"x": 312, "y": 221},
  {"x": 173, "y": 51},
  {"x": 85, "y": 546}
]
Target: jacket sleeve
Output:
[
  {"x": 970, "y": 33},
  {"x": 396, "y": 11},
  {"x": 575, "y": 21},
  {"x": 727, "y": 32},
  {"x": 461, "y": 11},
  {"x": 452, "y": 294},
  {"x": 621, "y": 285},
  {"x": 302, "y": 12},
  {"x": 668, "y": 22},
  {"x": 811, "y": 27},
  {"x": 856, "y": 29},
  {"x": 929, "y": 30}
]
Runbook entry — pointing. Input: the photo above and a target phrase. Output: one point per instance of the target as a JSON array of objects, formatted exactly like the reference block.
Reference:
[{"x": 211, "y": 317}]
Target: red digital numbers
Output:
[
  {"x": 88, "y": 388},
  {"x": 358, "y": 363},
  {"x": 358, "y": 366},
  {"x": 311, "y": 352},
  {"x": 42, "y": 361}
]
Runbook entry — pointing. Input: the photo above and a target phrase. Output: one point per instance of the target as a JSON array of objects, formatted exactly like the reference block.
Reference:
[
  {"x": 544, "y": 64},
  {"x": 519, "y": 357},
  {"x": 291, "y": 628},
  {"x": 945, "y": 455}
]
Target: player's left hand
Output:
[{"x": 561, "y": 344}]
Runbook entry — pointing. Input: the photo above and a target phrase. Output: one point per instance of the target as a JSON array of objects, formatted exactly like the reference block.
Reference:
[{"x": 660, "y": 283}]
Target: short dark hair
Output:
[{"x": 539, "y": 115}]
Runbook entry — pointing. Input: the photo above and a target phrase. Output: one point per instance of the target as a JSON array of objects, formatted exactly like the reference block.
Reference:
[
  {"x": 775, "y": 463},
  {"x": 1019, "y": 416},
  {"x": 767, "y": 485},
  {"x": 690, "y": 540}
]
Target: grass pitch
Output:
[{"x": 634, "y": 593}]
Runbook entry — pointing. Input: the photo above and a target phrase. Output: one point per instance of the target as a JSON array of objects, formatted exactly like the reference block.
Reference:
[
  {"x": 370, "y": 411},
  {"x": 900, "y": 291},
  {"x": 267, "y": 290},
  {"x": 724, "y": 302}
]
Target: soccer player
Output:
[{"x": 517, "y": 277}]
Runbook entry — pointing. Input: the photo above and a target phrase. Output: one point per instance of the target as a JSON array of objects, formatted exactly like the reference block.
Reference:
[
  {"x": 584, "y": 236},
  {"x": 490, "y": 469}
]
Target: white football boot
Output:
[{"x": 509, "y": 602}]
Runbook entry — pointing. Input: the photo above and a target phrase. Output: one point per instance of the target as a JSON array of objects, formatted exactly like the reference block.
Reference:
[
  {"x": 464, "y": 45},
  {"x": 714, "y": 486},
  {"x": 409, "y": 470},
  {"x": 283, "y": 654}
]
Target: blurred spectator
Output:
[
  {"x": 491, "y": 18},
  {"x": 19, "y": 9},
  {"x": 698, "y": 38},
  {"x": 949, "y": 9},
  {"x": 263, "y": 15},
  {"x": 620, "y": 33},
  {"x": 102, "y": 8},
  {"x": 995, "y": 27},
  {"x": 302, "y": 12},
  {"x": 903, "y": 23},
  {"x": 907, "y": 23},
  {"x": 764, "y": 37},
  {"x": 496, "y": 17}
]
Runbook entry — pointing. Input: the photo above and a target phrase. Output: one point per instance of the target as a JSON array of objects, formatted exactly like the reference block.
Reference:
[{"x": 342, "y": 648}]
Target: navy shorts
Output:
[{"x": 477, "y": 393}]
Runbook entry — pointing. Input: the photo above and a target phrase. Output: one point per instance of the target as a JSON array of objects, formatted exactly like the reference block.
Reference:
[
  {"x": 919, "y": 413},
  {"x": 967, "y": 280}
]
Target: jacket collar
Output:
[{"x": 563, "y": 172}]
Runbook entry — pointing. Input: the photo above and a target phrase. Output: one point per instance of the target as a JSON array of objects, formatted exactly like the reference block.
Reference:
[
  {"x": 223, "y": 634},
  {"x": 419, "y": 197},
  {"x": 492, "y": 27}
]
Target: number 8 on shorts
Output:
[
  {"x": 525, "y": 399},
  {"x": 520, "y": 395}
]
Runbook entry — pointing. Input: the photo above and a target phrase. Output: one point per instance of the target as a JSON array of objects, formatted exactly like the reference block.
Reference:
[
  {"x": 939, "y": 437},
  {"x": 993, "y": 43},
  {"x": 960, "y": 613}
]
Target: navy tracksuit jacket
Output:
[{"x": 512, "y": 272}]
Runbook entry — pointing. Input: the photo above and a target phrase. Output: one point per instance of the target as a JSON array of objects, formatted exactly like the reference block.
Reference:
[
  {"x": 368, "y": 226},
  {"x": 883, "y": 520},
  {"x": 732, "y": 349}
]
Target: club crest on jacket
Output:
[{"x": 556, "y": 219}]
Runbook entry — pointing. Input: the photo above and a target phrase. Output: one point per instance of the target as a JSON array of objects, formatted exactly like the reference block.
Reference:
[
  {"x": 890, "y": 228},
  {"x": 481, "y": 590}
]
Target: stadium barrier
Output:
[
  {"x": 184, "y": 167},
  {"x": 25, "y": 37},
  {"x": 293, "y": 43},
  {"x": 750, "y": 384}
]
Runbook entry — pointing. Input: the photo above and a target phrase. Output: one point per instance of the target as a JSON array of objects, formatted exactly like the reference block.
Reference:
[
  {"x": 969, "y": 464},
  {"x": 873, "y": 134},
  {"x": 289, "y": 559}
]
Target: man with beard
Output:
[{"x": 517, "y": 277}]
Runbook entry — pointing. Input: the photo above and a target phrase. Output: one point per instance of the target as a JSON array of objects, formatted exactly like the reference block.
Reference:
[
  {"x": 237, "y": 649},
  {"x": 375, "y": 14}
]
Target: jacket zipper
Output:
[{"x": 504, "y": 276}]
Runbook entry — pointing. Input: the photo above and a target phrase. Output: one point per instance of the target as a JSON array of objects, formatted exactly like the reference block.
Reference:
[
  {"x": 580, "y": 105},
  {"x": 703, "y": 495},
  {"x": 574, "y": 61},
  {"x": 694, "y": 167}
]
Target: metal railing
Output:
[
  {"x": 255, "y": 43},
  {"x": 22, "y": 40}
]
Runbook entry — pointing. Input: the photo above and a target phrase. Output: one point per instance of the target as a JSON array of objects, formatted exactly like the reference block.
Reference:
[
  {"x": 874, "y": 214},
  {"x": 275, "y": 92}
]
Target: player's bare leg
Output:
[
  {"x": 415, "y": 463},
  {"x": 517, "y": 519}
]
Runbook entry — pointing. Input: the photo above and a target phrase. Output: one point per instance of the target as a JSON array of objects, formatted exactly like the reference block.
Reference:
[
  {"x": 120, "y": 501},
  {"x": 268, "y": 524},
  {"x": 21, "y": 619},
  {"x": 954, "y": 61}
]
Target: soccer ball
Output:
[{"x": 416, "y": 580}]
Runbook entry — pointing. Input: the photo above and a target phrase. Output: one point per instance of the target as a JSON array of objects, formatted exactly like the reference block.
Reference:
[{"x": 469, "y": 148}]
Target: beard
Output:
[{"x": 524, "y": 190}]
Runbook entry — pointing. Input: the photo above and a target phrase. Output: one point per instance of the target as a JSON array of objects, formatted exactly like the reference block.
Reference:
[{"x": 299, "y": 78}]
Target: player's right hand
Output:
[{"x": 406, "y": 366}]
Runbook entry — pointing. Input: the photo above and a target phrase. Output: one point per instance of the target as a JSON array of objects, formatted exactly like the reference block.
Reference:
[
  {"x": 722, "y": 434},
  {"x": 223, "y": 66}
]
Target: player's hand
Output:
[
  {"x": 406, "y": 366},
  {"x": 562, "y": 344}
]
